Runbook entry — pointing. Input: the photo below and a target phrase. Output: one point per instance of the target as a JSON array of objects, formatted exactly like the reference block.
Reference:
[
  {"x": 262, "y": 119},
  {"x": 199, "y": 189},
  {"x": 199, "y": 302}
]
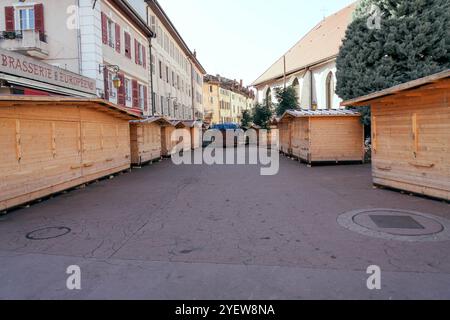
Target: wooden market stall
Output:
[
  {"x": 146, "y": 143},
  {"x": 167, "y": 143},
  {"x": 322, "y": 135},
  {"x": 49, "y": 144},
  {"x": 411, "y": 135},
  {"x": 195, "y": 128},
  {"x": 284, "y": 131}
]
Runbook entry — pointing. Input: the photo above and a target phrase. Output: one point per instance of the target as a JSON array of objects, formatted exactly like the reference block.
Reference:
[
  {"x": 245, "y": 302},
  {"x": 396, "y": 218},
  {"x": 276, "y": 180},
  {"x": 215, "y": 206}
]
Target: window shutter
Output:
[
  {"x": 106, "y": 82},
  {"x": 104, "y": 29},
  {"x": 135, "y": 94},
  {"x": 144, "y": 57},
  {"x": 121, "y": 91},
  {"x": 136, "y": 51},
  {"x": 39, "y": 18},
  {"x": 127, "y": 45},
  {"x": 9, "y": 19},
  {"x": 145, "y": 99},
  {"x": 117, "y": 38}
]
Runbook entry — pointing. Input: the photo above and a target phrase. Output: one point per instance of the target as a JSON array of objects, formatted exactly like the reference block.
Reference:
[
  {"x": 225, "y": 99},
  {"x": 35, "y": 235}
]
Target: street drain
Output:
[
  {"x": 392, "y": 224},
  {"x": 48, "y": 233}
]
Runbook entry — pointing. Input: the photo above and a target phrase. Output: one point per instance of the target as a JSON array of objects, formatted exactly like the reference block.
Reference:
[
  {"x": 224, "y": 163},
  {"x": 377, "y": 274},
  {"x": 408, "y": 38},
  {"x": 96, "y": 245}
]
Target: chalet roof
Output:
[
  {"x": 160, "y": 120},
  {"x": 319, "y": 113},
  {"x": 321, "y": 44},
  {"x": 97, "y": 103},
  {"x": 192, "y": 123},
  {"x": 361, "y": 101}
]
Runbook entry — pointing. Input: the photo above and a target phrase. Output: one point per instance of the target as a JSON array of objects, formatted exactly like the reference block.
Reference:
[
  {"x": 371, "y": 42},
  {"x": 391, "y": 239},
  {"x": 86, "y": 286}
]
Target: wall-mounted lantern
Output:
[{"x": 117, "y": 83}]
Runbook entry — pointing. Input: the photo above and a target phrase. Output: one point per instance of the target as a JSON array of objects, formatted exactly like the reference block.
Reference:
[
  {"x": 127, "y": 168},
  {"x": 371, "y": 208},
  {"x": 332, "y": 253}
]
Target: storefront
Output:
[{"x": 23, "y": 75}]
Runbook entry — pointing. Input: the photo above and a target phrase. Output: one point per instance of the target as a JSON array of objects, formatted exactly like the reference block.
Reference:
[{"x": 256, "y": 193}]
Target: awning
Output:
[{"x": 43, "y": 86}]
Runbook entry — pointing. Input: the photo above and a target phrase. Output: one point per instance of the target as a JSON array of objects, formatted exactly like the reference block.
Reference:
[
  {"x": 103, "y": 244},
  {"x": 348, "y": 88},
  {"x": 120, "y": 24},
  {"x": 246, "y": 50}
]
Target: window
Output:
[
  {"x": 173, "y": 79},
  {"x": 329, "y": 90},
  {"x": 111, "y": 89},
  {"x": 128, "y": 90},
  {"x": 152, "y": 60},
  {"x": 160, "y": 70},
  {"x": 167, "y": 74},
  {"x": 26, "y": 19},
  {"x": 111, "y": 33},
  {"x": 141, "y": 96}
]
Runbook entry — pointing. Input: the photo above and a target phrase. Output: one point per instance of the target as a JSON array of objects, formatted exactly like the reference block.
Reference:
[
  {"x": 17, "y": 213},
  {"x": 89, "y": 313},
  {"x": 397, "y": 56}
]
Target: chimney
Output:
[
  {"x": 195, "y": 53},
  {"x": 241, "y": 84}
]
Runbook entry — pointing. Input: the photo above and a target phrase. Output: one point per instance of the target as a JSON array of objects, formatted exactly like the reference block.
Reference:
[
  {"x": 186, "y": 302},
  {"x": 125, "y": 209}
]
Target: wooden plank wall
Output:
[
  {"x": 284, "y": 128},
  {"x": 411, "y": 142},
  {"x": 49, "y": 148},
  {"x": 339, "y": 138},
  {"x": 145, "y": 142},
  {"x": 300, "y": 138}
]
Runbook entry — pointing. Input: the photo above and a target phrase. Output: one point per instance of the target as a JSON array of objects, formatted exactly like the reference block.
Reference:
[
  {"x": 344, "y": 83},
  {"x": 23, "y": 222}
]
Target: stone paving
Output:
[{"x": 220, "y": 232}]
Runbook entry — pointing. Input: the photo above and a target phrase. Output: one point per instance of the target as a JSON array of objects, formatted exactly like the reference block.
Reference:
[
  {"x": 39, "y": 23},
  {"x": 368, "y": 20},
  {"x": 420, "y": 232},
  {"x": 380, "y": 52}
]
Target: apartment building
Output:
[
  {"x": 177, "y": 75},
  {"x": 225, "y": 99},
  {"x": 102, "y": 44}
]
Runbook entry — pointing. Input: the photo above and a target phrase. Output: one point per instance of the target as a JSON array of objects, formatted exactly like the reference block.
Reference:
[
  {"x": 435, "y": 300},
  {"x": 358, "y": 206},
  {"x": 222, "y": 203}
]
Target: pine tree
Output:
[
  {"x": 287, "y": 100},
  {"x": 413, "y": 41}
]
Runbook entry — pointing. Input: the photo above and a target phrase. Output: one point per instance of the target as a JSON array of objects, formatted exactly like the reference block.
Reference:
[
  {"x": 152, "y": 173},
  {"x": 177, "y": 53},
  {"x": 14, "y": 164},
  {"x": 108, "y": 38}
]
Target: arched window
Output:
[
  {"x": 296, "y": 86},
  {"x": 269, "y": 96},
  {"x": 329, "y": 90}
]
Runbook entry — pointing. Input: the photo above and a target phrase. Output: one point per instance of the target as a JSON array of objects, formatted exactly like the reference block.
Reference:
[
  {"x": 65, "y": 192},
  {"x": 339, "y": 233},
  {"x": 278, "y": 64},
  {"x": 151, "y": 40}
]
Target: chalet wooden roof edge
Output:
[
  {"x": 360, "y": 101},
  {"x": 55, "y": 99},
  {"x": 153, "y": 119},
  {"x": 319, "y": 113},
  {"x": 192, "y": 123}
]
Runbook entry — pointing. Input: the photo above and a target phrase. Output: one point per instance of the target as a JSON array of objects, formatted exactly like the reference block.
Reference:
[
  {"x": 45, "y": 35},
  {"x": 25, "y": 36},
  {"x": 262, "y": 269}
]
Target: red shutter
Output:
[
  {"x": 144, "y": 57},
  {"x": 121, "y": 91},
  {"x": 106, "y": 82},
  {"x": 135, "y": 94},
  {"x": 104, "y": 29},
  {"x": 117, "y": 38},
  {"x": 145, "y": 98},
  {"x": 127, "y": 45},
  {"x": 136, "y": 51},
  {"x": 9, "y": 19},
  {"x": 39, "y": 18}
]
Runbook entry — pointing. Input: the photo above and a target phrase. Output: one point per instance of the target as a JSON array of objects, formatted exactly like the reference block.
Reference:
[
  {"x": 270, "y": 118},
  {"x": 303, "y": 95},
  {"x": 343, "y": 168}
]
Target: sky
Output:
[{"x": 241, "y": 39}]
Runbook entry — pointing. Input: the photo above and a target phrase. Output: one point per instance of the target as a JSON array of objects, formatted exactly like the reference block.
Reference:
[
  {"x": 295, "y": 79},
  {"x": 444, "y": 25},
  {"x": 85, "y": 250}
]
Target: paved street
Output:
[{"x": 220, "y": 232}]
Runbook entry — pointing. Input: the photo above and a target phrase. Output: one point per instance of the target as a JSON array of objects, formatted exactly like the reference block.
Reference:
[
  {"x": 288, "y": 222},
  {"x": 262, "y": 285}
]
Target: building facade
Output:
[
  {"x": 225, "y": 100},
  {"x": 177, "y": 75},
  {"x": 310, "y": 66},
  {"x": 105, "y": 40}
]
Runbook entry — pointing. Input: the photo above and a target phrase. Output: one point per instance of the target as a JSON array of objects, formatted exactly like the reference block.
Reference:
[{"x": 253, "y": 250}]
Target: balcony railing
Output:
[
  {"x": 18, "y": 34},
  {"x": 30, "y": 42}
]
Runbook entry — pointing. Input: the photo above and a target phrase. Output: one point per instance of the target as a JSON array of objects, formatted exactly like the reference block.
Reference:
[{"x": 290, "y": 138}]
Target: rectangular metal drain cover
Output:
[{"x": 396, "y": 222}]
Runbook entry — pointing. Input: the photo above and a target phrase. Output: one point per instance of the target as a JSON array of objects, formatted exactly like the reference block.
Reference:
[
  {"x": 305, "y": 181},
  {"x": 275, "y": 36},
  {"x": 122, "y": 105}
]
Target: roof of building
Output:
[
  {"x": 319, "y": 113},
  {"x": 132, "y": 14},
  {"x": 361, "y": 101},
  {"x": 158, "y": 10},
  {"x": 319, "y": 45},
  {"x": 228, "y": 84},
  {"x": 103, "y": 105}
]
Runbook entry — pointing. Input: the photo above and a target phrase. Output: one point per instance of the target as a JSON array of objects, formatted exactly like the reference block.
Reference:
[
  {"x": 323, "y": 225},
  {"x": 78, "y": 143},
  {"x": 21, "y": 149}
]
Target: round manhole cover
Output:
[
  {"x": 394, "y": 224},
  {"x": 48, "y": 233}
]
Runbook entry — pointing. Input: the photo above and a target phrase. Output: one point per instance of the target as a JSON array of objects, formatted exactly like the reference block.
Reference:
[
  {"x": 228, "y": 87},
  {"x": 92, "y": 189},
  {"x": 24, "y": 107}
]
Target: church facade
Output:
[{"x": 309, "y": 66}]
